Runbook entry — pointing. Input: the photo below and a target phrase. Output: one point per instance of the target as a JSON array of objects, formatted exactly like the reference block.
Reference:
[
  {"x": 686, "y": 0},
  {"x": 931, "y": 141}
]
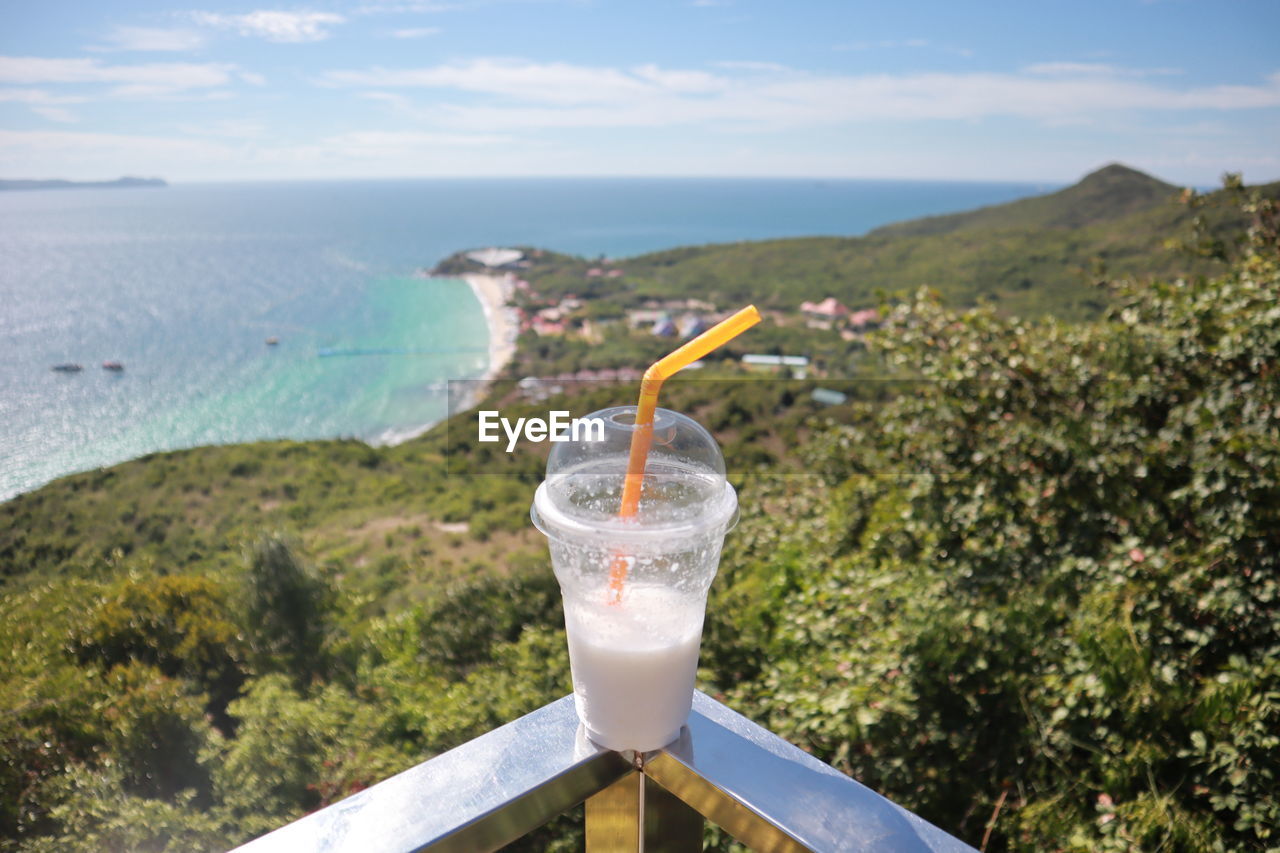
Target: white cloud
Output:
[
  {"x": 979, "y": 95},
  {"x": 371, "y": 144},
  {"x": 215, "y": 151},
  {"x": 57, "y": 114},
  {"x": 226, "y": 129},
  {"x": 404, "y": 106},
  {"x": 387, "y": 97},
  {"x": 43, "y": 103},
  {"x": 405, "y": 8},
  {"x": 748, "y": 65},
  {"x": 397, "y": 101},
  {"x": 272, "y": 25},
  {"x": 88, "y": 155},
  {"x": 914, "y": 43},
  {"x": 160, "y": 92},
  {"x": 554, "y": 82},
  {"x": 529, "y": 94},
  {"x": 151, "y": 39},
  {"x": 1094, "y": 68},
  {"x": 38, "y": 96},
  {"x": 686, "y": 82},
  {"x": 252, "y": 78},
  {"x": 415, "y": 32},
  {"x": 157, "y": 79},
  {"x": 884, "y": 44},
  {"x": 1200, "y": 128}
]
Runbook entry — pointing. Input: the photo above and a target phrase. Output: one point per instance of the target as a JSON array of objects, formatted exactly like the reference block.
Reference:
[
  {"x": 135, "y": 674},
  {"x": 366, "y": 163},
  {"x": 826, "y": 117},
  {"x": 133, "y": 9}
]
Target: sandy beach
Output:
[
  {"x": 493, "y": 291},
  {"x": 504, "y": 327}
]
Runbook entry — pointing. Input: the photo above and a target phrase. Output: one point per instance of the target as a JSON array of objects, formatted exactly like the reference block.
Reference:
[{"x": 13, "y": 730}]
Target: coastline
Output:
[
  {"x": 492, "y": 291},
  {"x": 55, "y": 425}
]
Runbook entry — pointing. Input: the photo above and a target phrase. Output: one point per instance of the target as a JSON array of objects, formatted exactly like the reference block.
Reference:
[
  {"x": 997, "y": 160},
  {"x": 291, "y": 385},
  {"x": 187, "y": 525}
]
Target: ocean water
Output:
[{"x": 183, "y": 285}]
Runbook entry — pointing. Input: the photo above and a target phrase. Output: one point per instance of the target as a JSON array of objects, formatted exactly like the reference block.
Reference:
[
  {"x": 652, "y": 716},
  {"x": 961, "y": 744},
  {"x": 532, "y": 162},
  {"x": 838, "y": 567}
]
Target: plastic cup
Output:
[{"x": 634, "y": 658}]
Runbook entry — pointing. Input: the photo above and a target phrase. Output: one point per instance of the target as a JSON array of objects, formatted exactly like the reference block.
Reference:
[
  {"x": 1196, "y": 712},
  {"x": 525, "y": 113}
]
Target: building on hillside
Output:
[
  {"x": 864, "y": 320},
  {"x": 824, "y": 314},
  {"x": 548, "y": 322},
  {"x": 795, "y": 365},
  {"x": 644, "y": 318},
  {"x": 829, "y": 397},
  {"x": 665, "y": 327},
  {"x": 495, "y": 258},
  {"x": 693, "y": 324},
  {"x": 535, "y": 390}
]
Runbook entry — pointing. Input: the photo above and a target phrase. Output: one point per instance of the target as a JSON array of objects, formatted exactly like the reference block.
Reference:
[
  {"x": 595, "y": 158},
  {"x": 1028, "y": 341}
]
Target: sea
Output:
[{"x": 184, "y": 285}]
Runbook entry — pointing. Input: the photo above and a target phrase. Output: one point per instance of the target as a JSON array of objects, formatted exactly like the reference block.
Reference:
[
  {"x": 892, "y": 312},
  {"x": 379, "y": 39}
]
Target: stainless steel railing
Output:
[{"x": 724, "y": 768}]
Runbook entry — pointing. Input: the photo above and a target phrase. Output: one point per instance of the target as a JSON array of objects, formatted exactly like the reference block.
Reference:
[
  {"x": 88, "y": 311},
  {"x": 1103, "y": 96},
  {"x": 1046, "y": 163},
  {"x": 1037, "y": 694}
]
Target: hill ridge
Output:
[
  {"x": 1111, "y": 192},
  {"x": 1030, "y": 257}
]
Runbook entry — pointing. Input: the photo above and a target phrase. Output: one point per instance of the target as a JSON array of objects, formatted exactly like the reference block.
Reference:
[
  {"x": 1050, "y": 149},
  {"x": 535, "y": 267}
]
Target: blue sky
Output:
[{"x": 1040, "y": 91}]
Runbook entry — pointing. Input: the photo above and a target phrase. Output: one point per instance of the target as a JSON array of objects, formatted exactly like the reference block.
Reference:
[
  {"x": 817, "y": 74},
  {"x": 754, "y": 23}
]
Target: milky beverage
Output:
[
  {"x": 633, "y": 665},
  {"x": 633, "y": 649}
]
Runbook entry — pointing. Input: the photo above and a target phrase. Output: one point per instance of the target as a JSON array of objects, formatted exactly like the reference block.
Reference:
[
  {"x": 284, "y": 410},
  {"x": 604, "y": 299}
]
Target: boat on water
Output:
[
  {"x": 68, "y": 368},
  {"x": 272, "y": 341},
  {"x": 112, "y": 365}
]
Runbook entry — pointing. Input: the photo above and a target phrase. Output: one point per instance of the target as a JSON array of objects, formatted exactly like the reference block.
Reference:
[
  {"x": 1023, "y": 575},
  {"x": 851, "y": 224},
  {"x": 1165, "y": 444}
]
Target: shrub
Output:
[
  {"x": 287, "y": 608},
  {"x": 179, "y": 624},
  {"x": 1044, "y": 607}
]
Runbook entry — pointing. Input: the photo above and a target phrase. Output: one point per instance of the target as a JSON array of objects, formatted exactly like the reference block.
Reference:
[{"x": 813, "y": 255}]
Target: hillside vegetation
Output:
[
  {"x": 1111, "y": 194},
  {"x": 1034, "y": 257},
  {"x": 1029, "y": 590}
]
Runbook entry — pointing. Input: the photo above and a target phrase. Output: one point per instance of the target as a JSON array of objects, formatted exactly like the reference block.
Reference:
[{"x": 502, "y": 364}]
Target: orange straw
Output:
[{"x": 660, "y": 371}]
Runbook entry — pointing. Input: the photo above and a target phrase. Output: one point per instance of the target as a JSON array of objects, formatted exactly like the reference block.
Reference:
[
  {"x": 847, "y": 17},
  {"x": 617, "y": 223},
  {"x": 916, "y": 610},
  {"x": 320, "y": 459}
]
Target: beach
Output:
[{"x": 493, "y": 292}]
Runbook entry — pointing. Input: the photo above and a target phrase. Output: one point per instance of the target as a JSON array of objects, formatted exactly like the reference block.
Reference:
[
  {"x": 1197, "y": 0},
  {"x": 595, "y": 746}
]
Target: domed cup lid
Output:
[{"x": 685, "y": 491}]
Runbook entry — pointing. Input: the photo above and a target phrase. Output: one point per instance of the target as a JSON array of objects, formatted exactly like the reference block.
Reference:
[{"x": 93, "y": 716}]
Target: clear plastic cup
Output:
[{"x": 634, "y": 658}]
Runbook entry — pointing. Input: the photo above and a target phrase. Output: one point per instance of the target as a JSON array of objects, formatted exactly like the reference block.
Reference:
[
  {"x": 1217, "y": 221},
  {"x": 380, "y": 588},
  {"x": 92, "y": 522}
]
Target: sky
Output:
[{"x": 921, "y": 89}]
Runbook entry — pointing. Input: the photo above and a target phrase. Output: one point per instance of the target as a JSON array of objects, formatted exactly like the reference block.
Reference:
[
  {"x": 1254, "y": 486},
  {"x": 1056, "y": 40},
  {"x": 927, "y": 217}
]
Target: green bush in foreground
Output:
[{"x": 1043, "y": 608}]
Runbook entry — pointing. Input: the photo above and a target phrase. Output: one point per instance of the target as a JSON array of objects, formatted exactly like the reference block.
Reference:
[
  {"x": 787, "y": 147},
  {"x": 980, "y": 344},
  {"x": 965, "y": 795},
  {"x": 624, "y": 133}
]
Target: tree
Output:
[
  {"x": 180, "y": 624},
  {"x": 287, "y": 607}
]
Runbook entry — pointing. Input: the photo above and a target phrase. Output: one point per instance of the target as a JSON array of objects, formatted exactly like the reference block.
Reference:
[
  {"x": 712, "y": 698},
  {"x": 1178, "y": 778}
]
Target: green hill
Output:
[
  {"x": 1032, "y": 257},
  {"x": 1108, "y": 195},
  {"x": 1035, "y": 257}
]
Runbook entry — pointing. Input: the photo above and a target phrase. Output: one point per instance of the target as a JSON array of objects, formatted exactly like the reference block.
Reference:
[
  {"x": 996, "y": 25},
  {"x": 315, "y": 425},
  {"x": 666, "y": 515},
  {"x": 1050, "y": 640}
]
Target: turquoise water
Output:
[{"x": 183, "y": 285}]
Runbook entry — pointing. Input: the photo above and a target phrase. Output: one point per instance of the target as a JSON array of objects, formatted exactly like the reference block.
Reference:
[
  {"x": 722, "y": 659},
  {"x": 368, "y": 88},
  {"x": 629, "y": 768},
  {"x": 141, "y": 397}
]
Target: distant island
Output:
[{"x": 59, "y": 184}]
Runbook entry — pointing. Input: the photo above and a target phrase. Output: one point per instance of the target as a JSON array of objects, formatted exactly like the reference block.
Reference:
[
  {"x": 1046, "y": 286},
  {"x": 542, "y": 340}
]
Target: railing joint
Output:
[{"x": 488, "y": 792}]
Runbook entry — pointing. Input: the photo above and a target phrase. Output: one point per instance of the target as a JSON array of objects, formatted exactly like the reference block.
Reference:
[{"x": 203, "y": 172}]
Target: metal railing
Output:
[{"x": 490, "y": 791}]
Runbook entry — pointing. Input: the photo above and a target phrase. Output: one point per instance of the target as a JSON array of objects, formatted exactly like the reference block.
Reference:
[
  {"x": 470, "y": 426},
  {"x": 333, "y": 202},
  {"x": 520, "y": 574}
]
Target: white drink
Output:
[
  {"x": 633, "y": 664},
  {"x": 634, "y": 661}
]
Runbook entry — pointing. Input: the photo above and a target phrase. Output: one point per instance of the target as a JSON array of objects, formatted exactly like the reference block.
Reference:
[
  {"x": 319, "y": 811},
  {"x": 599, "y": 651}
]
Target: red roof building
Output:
[
  {"x": 828, "y": 309},
  {"x": 865, "y": 318}
]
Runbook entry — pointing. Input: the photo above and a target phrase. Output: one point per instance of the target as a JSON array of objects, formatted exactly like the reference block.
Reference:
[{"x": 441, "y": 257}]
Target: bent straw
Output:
[{"x": 658, "y": 372}]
